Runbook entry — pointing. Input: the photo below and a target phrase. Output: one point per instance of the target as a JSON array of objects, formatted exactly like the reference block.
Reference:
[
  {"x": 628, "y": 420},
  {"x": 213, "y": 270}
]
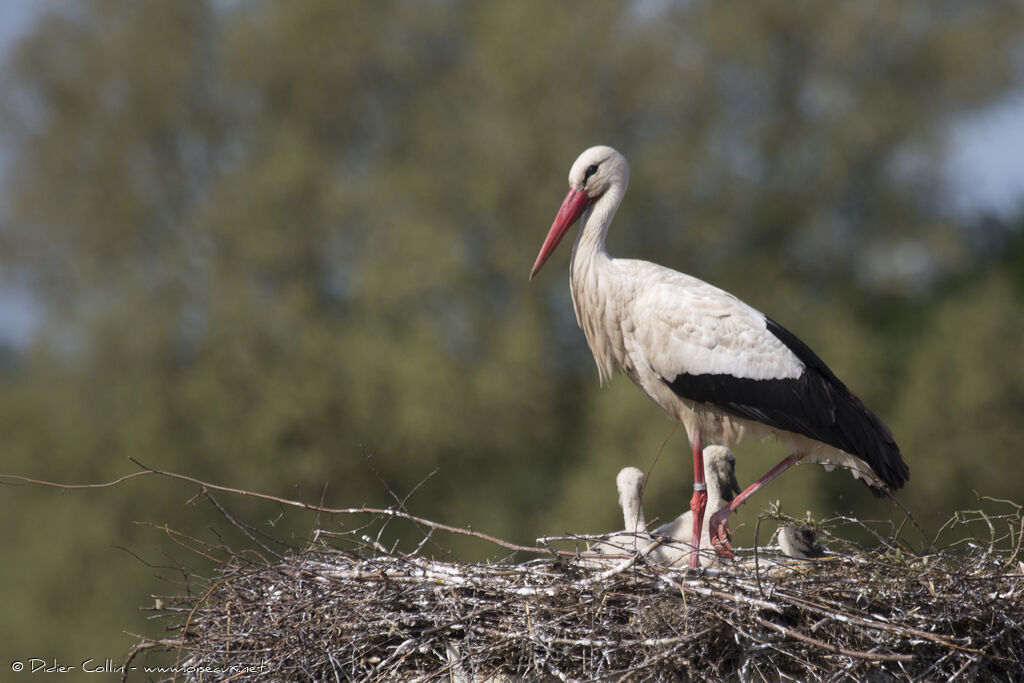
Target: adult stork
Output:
[{"x": 719, "y": 366}]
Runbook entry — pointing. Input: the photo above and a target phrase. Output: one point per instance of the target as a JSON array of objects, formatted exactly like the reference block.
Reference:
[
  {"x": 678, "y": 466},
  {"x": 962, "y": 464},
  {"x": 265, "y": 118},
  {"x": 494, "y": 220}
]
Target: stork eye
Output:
[{"x": 591, "y": 170}]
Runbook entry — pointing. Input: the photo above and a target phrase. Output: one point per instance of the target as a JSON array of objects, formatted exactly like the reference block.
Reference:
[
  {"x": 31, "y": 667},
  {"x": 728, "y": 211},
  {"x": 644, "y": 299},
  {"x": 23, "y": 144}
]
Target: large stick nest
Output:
[{"x": 345, "y": 608}]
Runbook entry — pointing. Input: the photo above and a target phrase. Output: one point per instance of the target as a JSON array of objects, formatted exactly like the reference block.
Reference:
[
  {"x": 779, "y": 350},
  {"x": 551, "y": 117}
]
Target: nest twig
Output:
[{"x": 346, "y": 608}]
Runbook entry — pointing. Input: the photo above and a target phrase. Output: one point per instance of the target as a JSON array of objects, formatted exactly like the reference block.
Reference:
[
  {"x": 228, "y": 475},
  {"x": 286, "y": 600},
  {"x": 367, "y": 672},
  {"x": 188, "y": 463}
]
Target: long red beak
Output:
[{"x": 573, "y": 206}]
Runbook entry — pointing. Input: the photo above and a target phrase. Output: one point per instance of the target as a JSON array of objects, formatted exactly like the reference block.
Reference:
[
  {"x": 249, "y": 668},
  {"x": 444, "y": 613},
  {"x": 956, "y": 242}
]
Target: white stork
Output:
[
  {"x": 722, "y": 368},
  {"x": 630, "y": 484},
  {"x": 800, "y": 543},
  {"x": 720, "y": 475}
]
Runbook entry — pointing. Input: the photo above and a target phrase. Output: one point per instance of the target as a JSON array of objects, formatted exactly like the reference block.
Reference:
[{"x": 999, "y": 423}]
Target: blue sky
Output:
[
  {"x": 18, "y": 315},
  {"x": 986, "y": 163}
]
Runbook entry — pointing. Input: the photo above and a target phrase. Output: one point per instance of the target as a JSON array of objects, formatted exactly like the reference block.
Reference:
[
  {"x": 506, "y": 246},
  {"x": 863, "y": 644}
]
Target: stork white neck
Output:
[
  {"x": 588, "y": 279},
  {"x": 630, "y": 483},
  {"x": 589, "y": 246}
]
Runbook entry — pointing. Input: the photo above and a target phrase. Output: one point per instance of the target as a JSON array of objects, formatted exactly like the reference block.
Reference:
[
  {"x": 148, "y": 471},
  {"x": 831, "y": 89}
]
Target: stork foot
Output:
[{"x": 718, "y": 529}]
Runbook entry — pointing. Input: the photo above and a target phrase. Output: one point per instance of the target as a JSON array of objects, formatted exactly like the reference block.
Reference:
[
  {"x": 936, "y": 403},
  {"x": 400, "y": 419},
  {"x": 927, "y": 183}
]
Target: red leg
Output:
[
  {"x": 700, "y": 496},
  {"x": 718, "y": 529}
]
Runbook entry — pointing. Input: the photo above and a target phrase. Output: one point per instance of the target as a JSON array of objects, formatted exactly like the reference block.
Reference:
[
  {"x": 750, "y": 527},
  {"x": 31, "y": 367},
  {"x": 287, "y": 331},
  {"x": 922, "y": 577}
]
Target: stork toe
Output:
[{"x": 721, "y": 535}]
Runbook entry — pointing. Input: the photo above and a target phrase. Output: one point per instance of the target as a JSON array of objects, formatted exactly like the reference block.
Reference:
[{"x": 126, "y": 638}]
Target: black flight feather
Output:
[{"x": 816, "y": 404}]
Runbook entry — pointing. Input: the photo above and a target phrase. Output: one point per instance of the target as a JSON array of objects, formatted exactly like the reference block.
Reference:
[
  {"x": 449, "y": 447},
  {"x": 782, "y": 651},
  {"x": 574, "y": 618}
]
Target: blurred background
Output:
[{"x": 285, "y": 247}]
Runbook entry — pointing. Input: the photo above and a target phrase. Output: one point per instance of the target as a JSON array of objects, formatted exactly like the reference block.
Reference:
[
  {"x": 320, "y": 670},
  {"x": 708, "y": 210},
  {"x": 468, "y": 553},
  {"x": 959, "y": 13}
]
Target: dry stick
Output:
[
  {"x": 657, "y": 457},
  {"x": 188, "y": 621},
  {"x": 766, "y": 644},
  {"x": 388, "y": 512},
  {"x": 823, "y": 611},
  {"x": 875, "y": 624},
  {"x": 757, "y": 557},
  {"x": 244, "y": 528},
  {"x": 831, "y": 648},
  {"x": 143, "y": 644},
  {"x": 180, "y": 538},
  {"x": 17, "y": 478}
]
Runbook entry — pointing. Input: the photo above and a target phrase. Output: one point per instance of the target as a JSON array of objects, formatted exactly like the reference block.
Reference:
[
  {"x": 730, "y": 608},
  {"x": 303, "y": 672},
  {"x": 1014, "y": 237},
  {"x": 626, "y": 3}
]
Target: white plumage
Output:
[
  {"x": 719, "y": 366},
  {"x": 634, "y": 538},
  {"x": 800, "y": 543},
  {"x": 674, "y": 547}
]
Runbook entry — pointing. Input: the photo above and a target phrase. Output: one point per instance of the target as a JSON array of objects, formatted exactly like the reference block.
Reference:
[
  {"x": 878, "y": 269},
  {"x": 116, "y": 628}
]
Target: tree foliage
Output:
[{"x": 285, "y": 245}]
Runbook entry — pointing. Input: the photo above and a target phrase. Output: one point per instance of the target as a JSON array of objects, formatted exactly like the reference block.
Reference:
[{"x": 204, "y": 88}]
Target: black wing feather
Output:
[{"x": 816, "y": 404}]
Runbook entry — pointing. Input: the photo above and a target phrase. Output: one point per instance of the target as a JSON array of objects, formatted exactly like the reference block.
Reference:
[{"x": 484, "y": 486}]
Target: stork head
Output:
[
  {"x": 720, "y": 464},
  {"x": 596, "y": 169},
  {"x": 594, "y": 173},
  {"x": 630, "y": 482}
]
